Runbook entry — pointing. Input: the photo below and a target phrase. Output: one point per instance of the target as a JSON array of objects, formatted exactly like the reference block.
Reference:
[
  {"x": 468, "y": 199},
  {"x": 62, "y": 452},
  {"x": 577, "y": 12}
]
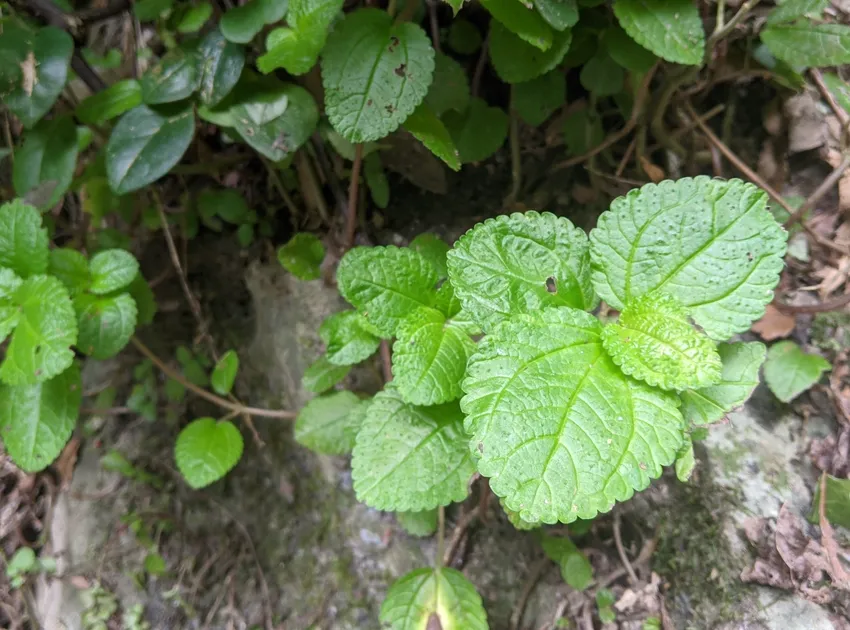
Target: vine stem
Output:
[
  {"x": 441, "y": 536},
  {"x": 353, "y": 190},
  {"x": 206, "y": 395}
]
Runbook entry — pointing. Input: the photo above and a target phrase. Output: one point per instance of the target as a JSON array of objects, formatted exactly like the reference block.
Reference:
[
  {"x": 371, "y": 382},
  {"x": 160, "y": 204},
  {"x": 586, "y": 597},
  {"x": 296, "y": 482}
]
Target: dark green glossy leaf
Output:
[{"x": 221, "y": 64}]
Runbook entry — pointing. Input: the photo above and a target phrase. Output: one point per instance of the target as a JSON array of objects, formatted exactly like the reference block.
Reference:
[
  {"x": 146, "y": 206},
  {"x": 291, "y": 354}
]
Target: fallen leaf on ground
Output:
[
  {"x": 774, "y": 324},
  {"x": 654, "y": 172}
]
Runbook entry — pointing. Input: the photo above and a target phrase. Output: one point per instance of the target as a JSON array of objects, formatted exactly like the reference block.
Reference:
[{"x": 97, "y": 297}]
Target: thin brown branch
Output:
[
  {"x": 277, "y": 182},
  {"x": 825, "y": 186},
  {"x": 621, "y": 551},
  {"x": 537, "y": 571},
  {"x": 441, "y": 537},
  {"x": 824, "y": 307},
  {"x": 829, "y": 97},
  {"x": 353, "y": 189},
  {"x": 386, "y": 361},
  {"x": 479, "y": 66},
  {"x": 457, "y": 535}
]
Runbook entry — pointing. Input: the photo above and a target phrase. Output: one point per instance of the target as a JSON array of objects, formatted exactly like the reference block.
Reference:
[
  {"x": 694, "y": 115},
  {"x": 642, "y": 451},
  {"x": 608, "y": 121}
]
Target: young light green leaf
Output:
[
  {"x": 602, "y": 76},
  {"x": 329, "y": 424},
  {"x": 194, "y": 18},
  {"x": 297, "y": 48},
  {"x": 516, "y": 61},
  {"x": 740, "y": 375},
  {"x": 464, "y": 37},
  {"x": 145, "y": 144},
  {"x": 560, "y": 14},
  {"x": 426, "y": 594},
  {"x": 322, "y": 375},
  {"x": 536, "y": 100},
  {"x": 102, "y": 106},
  {"x": 626, "y": 51},
  {"x": 23, "y": 242},
  {"x": 478, "y": 132},
  {"x": 575, "y": 567},
  {"x": 429, "y": 358},
  {"x": 302, "y": 256},
  {"x": 788, "y": 371},
  {"x": 105, "y": 323},
  {"x": 386, "y": 284},
  {"x": 808, "y": 44},
  {"x": 48, "y": 157},
  {"x": 206, "y": 450},
  {"x": 450, "y": 88},
  {"x": 672, "y": 29},
  {"x": 836, "y": 503},
  {"x": 654, "y": 342},
  {"x": 10, "y": 315},
  {"x": 521, "y": 263},
  {"x": 711, "y": 244},
  {"x": 560, "y": 431},
  {"x": 224, "y": 373},
  {"x": 37, "y": 420},
  {"x": 112, "y": 269},
  {"x": 447, "y": 303},
  {"x": 141, "y": 293},
  {"x": 426, "y": 127},
  {"x": 435, "y": 250},
  {"x": 376, "y": 180},
  {"x": 522, "y": 20},
  {"x": 418, "y": 523},
  {"x": 685, "y": 461},
  {"x": 410, "y": 458},
  {"x": 220, "y": 66},
  {"x": 174, "y": 78},
  {"x": 242, "y": 23},
  {"x": 375, "y": 73},
  {"x": 348, "y": 341},
  {"x": 47, "y": 327},
  {"x": 790, "y": 10}
]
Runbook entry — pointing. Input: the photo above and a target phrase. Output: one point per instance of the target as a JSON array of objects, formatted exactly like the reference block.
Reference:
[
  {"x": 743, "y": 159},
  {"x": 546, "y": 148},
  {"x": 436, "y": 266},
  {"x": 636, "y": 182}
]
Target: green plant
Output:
[{"x": 23, "y": 563}]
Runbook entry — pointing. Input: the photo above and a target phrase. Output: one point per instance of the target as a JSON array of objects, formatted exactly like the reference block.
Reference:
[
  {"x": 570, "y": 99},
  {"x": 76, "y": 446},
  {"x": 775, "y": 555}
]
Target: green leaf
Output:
[
  {"x": 348, "y": 341},
  {"x": 575, "y": 567},
  {"x": 426, "y": 127},
  {"x": 410, "y": 458},
  {"x": 220, "y": 66},
  {"x": 296, "y": 48},
  {"x": 560, "y": 14},
  {"x": 322, "y": 375},
  {"x": 516, "y": 61},
  {"x": 141, "y": 293},
  {"x": 386, "y": 284},
  {"x": 626, "y": 51},
  {"x": 450, "y": 88},
  {"x": 435, "y": 250},
  {"x": 422, "y": 595},
  {"x": 672, "y": 29},
  {"x": 478, "y": 132},
  {"x": 174, "y": 78},
  {"x": 602, "y": 76},
  {"x": 455, "y": 5},
  {"x": 464, "y": 37},
  {"x": 740, "y": 375},
  {"x": 711, "y": 244},
  {"x": 47, "y": 327},
  {"x": 839, "y": 88},
  {"x": 560, "y": 431},
  {"x": 154, "y": 564},
  {"x": 805, "y": 44},
  {"x": 789, "y": 371},
  {"x": 790, "y": 10},
  {"x": 522, "y": 20},
  {"x": 48, "y": 56},
  {"x": 654, "y": 342},
  {"x": 105, "y": 323},
  {"x": 109, "y": 103},
  {"x": 206, "y": 450},
  {"x": 36, "y": 421},
  {"x": 241, "y": 24},
  {"x": 149, "y": 10},
  {"x": 516, "y": 521},
  {"x": 146, "y": 144},
  {"x": 329, "y": 424},
  {"x": 302, "y": 256},
  {"x": 685, "y": 462},
  {"x": 10, "y": 314},
  {"x": 536, "y": 100},
  {"x": 112, "y": 269},
  {"x": 521, "y": 263},
  {"x": 225, "y": 372},
  {"x": 375, "y": 73},
  {"x": 48, "y": 157},
  {"x": 422, "y": 523},
  {"x": 226, "y": 203},
  {"x": 23, "y": 242},
  {"x": 195, "y": 18},
  {"x": 583, "y": 131},
  {"x": 376, "y": 179},
  {"x": 429, "y": 358},
  {"x": 837, "y": 502}
]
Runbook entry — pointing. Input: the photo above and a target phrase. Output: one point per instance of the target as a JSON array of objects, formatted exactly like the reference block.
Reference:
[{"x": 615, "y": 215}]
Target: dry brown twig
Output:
[
  {"x": 536, "y": 572},
  {"x": 621, "y": 551},
  {"x": 353, "y": 189},
  {"x": 457, "y": 534}
]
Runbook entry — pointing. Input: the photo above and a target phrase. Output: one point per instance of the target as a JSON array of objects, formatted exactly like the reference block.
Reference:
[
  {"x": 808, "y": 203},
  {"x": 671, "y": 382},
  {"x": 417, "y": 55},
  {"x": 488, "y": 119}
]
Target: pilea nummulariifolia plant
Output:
[{"x": 501, "y": 368}]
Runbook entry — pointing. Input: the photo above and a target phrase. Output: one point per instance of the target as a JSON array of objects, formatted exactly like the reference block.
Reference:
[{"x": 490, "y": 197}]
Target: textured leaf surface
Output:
[
  {"x": 329, "y": 424},
  {"x": 224, "y": 373},
  {"x": 23, "y": 242},
  {"x": 575, "y": 567},
  {"x": 48, "y": 157},
  {"x": 297, "y": 47},
  {"x": 434, "y": 249},
  {"x": 538, "y": 99},
  {"x": 654, "y": 342},
  {"x": 450, "y": 88},
  {"x": 789, "y": 371},
  {"x": 426, "y": 127},
  {"x": 375, "y": 74},
  {"x": 206, "y": 450},
  {"x": 105, "y": 323},
  {"x": 685, "y": 462},
  {"x": 322, "y": 375},
  {"x": 478, "y": 132},
  {"x": 711, "y": 244},
  {"x": 626, "y": 51},
  {"x": 302, "y": 256},
  {"x": 174, "y": 78},
  {"x": 110, "y": 103},
  {"x": 516, "y": 61},
  {"x": 672, "y": 29},
  {"x": 410, "y": 458},
  {"x": 520, "y": 263},
  {"x": 444, "y": 593},
  {"x": 9, "y": 312},
  {"x": 808, "y": 44},
  {"x": 560, "y": 14},
  {"x": 429, "y": 358},
  {"x": 37, "y": 420},
  {"x": 560, "y": 431},
  {"x": 792, "y": 9},
  {"x": 112, "y": 269},
  {"x": 738, "y": 379},
  {"x": 347, "y": 338},
  {"x": 221, "y": 64},
  {"x": 418, "y": 523},
  {"x": 522, "y": 20},
  {"x": 386, "y": 284}
]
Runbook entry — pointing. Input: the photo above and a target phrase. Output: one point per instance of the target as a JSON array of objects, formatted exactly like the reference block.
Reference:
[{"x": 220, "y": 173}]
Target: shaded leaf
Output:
[
  {"x": 418, "y": 523},
  {"x": 243, "y": 22},
  {"x": 478, "y": 132},
  {"x": 322, "y": 375},
  {"x": 224, "y": 373},
  {"x": 107, "y": 104},
  {"x": 516, "y": 61},
  {"x": 450, "y": 88},
  {"x": 302, "y": 256},
  {"x": 430, "y": 131},
  {"x": 329, "y": 424},
  {"x": 536, "y": 100},
  {"x": 174, "y": 78},
  {"x": 48, "y": 157},
  {"x": 522, "y": 20}
]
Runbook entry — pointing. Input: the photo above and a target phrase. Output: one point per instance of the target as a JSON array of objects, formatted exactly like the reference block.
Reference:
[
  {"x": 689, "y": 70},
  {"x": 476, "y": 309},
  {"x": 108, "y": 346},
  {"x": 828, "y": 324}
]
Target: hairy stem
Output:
[{"x": 353, "y": 189}]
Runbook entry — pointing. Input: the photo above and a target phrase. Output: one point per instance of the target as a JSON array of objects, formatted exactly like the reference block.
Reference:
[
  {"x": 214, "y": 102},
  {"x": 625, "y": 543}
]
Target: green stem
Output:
[
  {"x": 391, "y": 8},
  {"x": 441, "y": 536}
]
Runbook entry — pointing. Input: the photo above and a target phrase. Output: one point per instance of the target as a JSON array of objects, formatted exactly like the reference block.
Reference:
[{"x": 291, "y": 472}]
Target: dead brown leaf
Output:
[
  {"x": 774, "y": 324},
  {"x": 66, "y": 462},
  {"x": 806, "y": 128},
  {"x": 653, "y": 171}
]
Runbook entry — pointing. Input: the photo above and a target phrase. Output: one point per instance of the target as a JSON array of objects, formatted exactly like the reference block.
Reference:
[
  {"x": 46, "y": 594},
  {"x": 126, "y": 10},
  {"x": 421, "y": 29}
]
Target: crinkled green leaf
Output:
[
  {"x": 653, "y": 341},
  {"x": 602, "y": 76},
  {"x": 105, "y": 105},
  {"x": 450, "y": 88},
  {"x": 386, "y": 284},
  {"x": 521, "y": 20},
  {"x": 685, "y": 461},
  {"x": 516, "y": 61},
  {"x": 105, "y": 323},
  {"x": 536, "y": 100},
  {"x": 112, "y": 269},
  {"x": 329, "y": 424},
  {"x": 194, "y": 18},
  {"x": 422, "y": 523},
  {"x": 788, "y": 371},
  {"x": 792, "y": 9},
  {"x": 626, "y": 51},
  {"x": 242, "y": 23},
  {"x": 375, "y": 73},
  {"x": 560, "y": 14},
  {"x": 174, "y": 78},
  {"x": 296, "y": 48},
  {"x": 434, "y": 249},
  {"x": 422, "y": 595},
  {"x": 347, "y": 340},
  {"x": 429, "y": 358},
  {"x": 10, "y": 314},
  {"x": 521, "y": 263},
  {"x": 37, "y": 420},
  {"x": 302, "y": 256},
  {"x": 806, "y": 44},
  {"x": 224, "y": 373},
  {"x": 206, "y": 450},
  {"x": 426, "y": 127},
  {"x": 672, "y": 29},
  {"x": 575, "y": 567},
  {"x": 560, "y": 431},
  {"x": 410, "y": 458},
  {"x": 48, "y": 157},
  {"x": 711, "y": 244},
  {"x": 23, "y": 242},
  {"x": 738, "y": 378},
  {"x": 478, "y": 132},
  {"x": 322, "y": 375},
  {"x": 220, "y": 66}
]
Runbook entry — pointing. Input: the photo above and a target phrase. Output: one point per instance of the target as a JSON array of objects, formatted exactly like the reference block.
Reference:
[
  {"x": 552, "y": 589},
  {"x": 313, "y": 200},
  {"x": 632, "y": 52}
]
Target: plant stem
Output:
[
  {"x": 277, "y": 182},
  {"x": 353, "y": 189},
  {"x": 391, "y": 8},
  {"x": 720, "y": 33},
  {"x": 820, "y": 191},
  {"x": 516, "y": 159},
  {"x": 441, "y": 536},
  {"x": 206, "y": 395}
]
